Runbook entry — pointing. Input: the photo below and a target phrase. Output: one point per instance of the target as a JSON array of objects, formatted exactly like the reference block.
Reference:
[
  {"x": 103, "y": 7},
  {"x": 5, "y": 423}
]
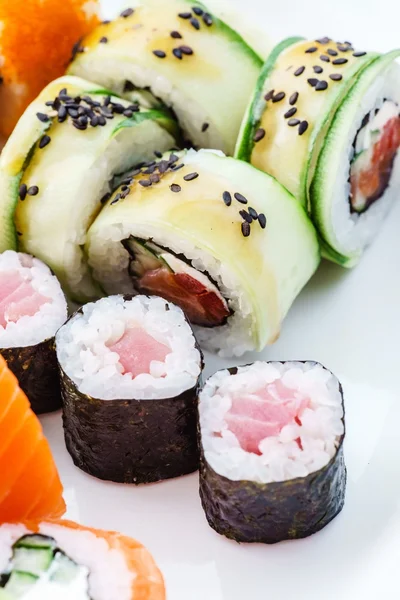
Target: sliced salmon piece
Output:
[{"x": 137, "y": 349}]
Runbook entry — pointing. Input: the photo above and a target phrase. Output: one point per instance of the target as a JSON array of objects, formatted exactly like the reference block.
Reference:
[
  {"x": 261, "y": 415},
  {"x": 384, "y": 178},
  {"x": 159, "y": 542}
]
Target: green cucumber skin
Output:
[{"x": 245, "y": 142}]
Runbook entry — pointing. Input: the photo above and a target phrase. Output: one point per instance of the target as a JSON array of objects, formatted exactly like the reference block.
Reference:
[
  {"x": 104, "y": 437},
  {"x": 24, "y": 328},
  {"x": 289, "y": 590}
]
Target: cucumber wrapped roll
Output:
[
  {"x": 187, "y": 57},
  {"x": 324, "y": 121},
  {"x": 224, "y": 241},
  {"x": 57, "y": 169}
]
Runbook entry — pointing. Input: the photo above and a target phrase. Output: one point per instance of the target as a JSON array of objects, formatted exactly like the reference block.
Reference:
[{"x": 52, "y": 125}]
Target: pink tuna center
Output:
[
  {"x": 137, "y": 349},
  {"x": 18, "y": 298},
  {"x": 255, "y": 417}
]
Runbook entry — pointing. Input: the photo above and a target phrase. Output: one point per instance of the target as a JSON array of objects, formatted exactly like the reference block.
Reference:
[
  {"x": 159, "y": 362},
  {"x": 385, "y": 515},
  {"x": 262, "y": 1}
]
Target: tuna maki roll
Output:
[
  {"x": 58, "y": 167},
  {"x": 271, "y": 438},
  {"x": 130, "y": 372},
  {"x": 185, "y": 56},
  {"x": 324, "y": 120},
  {"x": 61, "y": 560},
  {"x": 32, "y": 309},
  {"x": 224, "y": 241}
]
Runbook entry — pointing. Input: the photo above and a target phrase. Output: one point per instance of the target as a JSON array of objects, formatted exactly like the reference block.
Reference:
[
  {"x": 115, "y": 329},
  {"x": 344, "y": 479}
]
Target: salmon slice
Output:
[
  {"x": 51, "y": 501},
  {"x": 26, "y": 462},
  {"x": 137, "y": 349}
]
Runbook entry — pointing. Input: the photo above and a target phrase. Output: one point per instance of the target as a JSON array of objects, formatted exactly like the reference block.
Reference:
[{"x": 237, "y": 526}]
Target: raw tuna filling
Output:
[
  {"x": 255, "y": 417},
  {"x": 18, "y": 298},
  {"x": 376, "y": 146},
  {"x": 137, "y": 350}
]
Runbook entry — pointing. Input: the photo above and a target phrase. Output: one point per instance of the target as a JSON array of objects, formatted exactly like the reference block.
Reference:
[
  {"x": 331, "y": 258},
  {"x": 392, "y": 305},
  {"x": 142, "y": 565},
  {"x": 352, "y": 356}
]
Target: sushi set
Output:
[{"x": 181, "y": 208}]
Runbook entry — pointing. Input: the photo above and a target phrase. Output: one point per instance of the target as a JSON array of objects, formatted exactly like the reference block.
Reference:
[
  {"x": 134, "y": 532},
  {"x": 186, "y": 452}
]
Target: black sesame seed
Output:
[
  {"x": 149, "y": 170},
  {"x": 154, "y": 178},
  {"x": 197, "y": 11},
  {"x": 278, "y": 97},
  {"x": 79, "y": 126},
  {"x": 253, "y": 212},
  {"x": 336, "y": 77},
  {"x": 331, "y": 52},
  {"x": 293, "y": 122},
  {"x": 106, "y": 22},
  {"x": 103, "y": 40},
  {"x": 115, "y": 200},
  {"x": 128, "y": 113},
  {"x": 324, "y": 40},
  {"x": 127, "y": 12},
  {"x": 157, "y": 154},
  {"x": 303, "y": 127},
  {"x": 83, "y": 120},
  {"x": 19, "y": 233},
  {"x": 174, "y": 187},
  {"x": 129, "y": 179},
  {"x": 317, "y": 69},
  {"x": 321, "y": 85},
  {"x": 186, "y": 50},
  {"x": 33, "y": 190},
  {"x": 293, "y": 98},
  {"x": 245, "y": 229},
  {"x": 191, "y": 176},
  {"x": 45, "y": 140},
  {"x": 204, "y": 127},
  {"x": 340, "y": 61},
  {"x": 177, "y": 167},
  {"x": 64, "y": 97},
  {"x": 259, "y": 135},
  {"x": 62, "y": 92},
  {"x": 124, "y": 188},
  {"x": 163, "y": 166},
  {"x": 185, "y": 15},
  {"x": 343, "y": 48},
  {"x": 22, "y": 191},
  {"x": 262, "y": 219},
  {"x": 325, "y": 58},
  {"x": 50, "y": 103},
  {"x": 312, "y": 81},
  {"x": 145, "y": 182},
  {"x": 159, "y": 53},
  {"x": 176, "y": 35},
  {"x": 43, "y": 117},
  {"x": 118, "y": 108},
  {"x": 177, "y": 53},
  {"x": 105, "y": 198},
  {"x": 358, "y": 54},
  {"x": 299, "y": 71},
  {"x": 129, "y": 86},
  {"x": 240, "y": 198},
  {"x": 102, "y": 121},
  {"x": 208, "y": 20},
  {"x": 62, "y": 114},
  {"x": 290, "y": 112},
  {"x": 311, "y": 50},
  {"x": 134, "y": 107},
  {"x": 195, "y": 23},
  {"x": 106, "y": 100},
  {"x": 73, "y": 112},
  {"x": 246, "y": 216},
  {"x": 268, "y": 96},
  {"x": 227, "y": 198},
  {"x": 56, "y": 103}
]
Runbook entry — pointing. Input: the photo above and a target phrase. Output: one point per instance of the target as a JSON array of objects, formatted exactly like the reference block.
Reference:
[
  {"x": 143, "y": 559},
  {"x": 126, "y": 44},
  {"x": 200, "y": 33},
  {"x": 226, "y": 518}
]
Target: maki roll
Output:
[
  {"x": 64, "y": 560},
  {"x": 32, "y": 309},
  {"x": 221, "y": 239},
  {"x": 30, "y": 487},
  {"x": 185, "y": 56},
  {"x": 271, "y": 437},
  {"x": 324, "y": 121},
  {"x": 130, "y": 373},
  {"x": 69, "y": 145}
]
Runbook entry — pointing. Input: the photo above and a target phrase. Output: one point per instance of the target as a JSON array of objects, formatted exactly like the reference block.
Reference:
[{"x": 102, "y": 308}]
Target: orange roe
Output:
[{"x": 36, "y": 40}]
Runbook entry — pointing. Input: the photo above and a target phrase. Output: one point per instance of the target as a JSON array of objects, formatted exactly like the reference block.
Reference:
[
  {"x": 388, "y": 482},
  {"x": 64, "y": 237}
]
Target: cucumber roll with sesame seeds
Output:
[
  {"x": 59, "y": 166},
  {"x": 325, "y": 122},
  {"x": 221, "y": 239},
  {"x": 192, "y": 60}
]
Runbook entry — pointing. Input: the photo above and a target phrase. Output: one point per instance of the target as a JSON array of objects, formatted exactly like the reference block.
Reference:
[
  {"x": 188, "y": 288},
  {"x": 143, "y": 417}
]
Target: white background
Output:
[{"x": 350, "y": 321}]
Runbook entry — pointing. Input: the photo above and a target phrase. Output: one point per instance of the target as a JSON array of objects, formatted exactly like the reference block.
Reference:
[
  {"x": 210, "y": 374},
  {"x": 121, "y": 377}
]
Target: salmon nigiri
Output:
[
  {"x": 30, "y": 487},
  {"x": 63, "y": 560}
]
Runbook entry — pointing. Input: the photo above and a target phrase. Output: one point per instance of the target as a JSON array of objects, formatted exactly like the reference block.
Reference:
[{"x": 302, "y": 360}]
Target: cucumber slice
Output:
[
  {"x": 72, "y": 174},
  {"x": 20, "y": 583},
  {"x": 142, "y": 258},
  {"x": 33, "y": 561},
  {"x": 202, "y": 87}
]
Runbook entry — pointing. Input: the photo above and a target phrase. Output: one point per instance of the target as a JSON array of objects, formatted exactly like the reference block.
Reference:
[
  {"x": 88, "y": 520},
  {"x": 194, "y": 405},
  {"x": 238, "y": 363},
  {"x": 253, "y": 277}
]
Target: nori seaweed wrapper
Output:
[
  {"x": 36, "y": 369},
  {"x": 247, "y": 511}
]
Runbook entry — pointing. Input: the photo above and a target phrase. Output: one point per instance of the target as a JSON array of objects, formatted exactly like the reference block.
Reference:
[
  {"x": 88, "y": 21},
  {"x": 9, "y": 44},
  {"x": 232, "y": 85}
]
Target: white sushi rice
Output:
[
  {"x": 281, "y": 457},
  {"x": 84, "y": 354},
  {"x": 29, "y": 331},
  {"x": 109, "y": 575}
]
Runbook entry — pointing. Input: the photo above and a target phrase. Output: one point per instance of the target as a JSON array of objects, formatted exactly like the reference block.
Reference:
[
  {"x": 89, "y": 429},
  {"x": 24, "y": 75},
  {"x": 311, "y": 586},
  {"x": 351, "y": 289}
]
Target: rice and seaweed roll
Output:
[
  {"x": 324, "y": 120},
  {"x": 63, "y": 560},
  {"x": 271, "y": 436},
  {"x": 130, "y": 373},
  {"x": 32, "y": 309}
]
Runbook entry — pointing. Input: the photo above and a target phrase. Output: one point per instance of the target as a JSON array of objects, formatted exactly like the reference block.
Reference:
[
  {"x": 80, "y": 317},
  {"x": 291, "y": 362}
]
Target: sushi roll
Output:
[
  {"x": 70, "y": 144},
  {"x": 32, "y": 309},
  {"x": 184, "y": 55},
  {"x": 36, "y": 42},
  {"x": 224, "y": 241},
  {"x": 271, "y": 441},
  {"x": 324, "y": 121},
  {"x": 64, "y": 560},
  {"x": 130, "y": 373},
  {"x": 30, "y": 487}
]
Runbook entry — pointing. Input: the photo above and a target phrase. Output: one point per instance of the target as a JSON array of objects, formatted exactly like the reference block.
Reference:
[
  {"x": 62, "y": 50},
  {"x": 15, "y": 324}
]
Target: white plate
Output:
[{"x": 350, "y": 322}]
